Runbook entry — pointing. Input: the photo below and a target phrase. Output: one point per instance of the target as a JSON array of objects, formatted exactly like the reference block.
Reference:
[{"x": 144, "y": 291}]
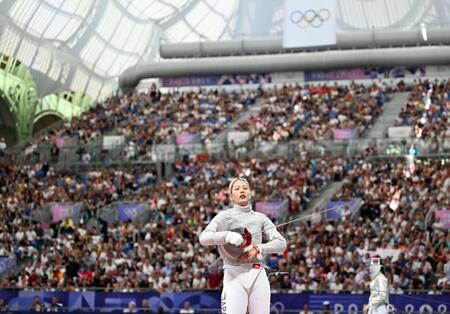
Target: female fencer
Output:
[
  {"x": 239, "y": 233},
  {"x": 379, "y": 288}
]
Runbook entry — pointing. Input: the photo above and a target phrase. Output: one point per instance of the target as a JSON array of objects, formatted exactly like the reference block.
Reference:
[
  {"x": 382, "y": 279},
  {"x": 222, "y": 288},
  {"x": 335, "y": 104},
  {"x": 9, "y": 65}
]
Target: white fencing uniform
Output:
[
  {"x": 244, "y": 285},
  {"x": 379, "y": 294}
]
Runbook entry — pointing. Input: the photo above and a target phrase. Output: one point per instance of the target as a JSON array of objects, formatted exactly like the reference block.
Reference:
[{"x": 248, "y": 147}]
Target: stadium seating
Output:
[
  {"x": 395, "y": 219},
  {"x": 323, "y": 255},
  {"x": 313, "y": 112},
  {"x": 179, "y": 208},
  {"x": 427, "y": 110}
]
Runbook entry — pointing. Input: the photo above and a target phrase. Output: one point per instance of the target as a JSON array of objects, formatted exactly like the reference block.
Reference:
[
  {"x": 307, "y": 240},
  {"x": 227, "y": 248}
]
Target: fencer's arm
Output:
[
  {"x": 379, "y": 295},
  {"x": 277, "y": 243},
  {"x": 210, "y": 236}
]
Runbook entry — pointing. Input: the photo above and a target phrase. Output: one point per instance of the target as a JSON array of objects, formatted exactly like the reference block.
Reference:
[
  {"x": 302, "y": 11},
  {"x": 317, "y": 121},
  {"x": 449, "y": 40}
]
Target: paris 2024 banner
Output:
[{"x": 101, "y": 302}]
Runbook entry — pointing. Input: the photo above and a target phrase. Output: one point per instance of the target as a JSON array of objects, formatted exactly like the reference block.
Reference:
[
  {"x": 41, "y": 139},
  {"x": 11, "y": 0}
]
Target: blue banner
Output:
[
  {"x": 128, "y": 211},
  {"x": 364, "y": 74},
  {"x": 270, "y": 208},
  {"x": 343, "y": 134},
  {"x": 6, "y": 263},
  {"x": 171, "y": 302},
  {"x": 185, "y": 138},
  {"x": 338, "y": 209},
  {"x": 61, "y": 211},
  {"x": 226, "y": 79},
  {"x": 190, "y": 81}
]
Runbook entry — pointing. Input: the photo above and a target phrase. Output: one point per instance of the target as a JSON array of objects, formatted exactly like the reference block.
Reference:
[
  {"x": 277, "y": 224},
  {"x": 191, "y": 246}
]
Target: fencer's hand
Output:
[
  {"x": 249, "y": 253},
  {"x": 234, "y": 238},
  {"x": 365, "y": 308}
]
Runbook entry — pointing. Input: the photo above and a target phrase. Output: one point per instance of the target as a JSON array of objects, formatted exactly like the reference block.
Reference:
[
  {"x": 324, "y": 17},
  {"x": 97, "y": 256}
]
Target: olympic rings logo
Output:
[{"x": 309, "y": 18}]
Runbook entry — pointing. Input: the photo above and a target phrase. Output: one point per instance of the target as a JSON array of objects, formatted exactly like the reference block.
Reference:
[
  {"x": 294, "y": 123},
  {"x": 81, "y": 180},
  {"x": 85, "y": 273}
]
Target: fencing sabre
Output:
[{"x": 305, "y": 217}]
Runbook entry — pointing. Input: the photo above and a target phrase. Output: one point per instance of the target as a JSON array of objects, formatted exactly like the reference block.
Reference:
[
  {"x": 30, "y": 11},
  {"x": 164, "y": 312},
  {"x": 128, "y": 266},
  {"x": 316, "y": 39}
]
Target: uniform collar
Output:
[{"x": 245, "y": 208}]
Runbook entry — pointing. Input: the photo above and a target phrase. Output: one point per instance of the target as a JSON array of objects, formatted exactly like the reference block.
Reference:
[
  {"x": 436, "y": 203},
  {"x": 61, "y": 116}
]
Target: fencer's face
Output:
[
  {"x": 240, "y": 193},
  {"x": 374, "y": 267}
]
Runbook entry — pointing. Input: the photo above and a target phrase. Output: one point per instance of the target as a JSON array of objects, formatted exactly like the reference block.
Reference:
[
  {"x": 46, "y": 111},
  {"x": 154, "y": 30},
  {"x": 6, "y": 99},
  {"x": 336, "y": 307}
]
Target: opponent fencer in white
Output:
[
  {"x": 379, "y": 288},
  {"x": 239, "y": 233}
]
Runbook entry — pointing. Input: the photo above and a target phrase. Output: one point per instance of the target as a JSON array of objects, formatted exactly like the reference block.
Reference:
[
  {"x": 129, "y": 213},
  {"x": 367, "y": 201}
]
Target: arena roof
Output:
[{"x": 85, "y": 45}]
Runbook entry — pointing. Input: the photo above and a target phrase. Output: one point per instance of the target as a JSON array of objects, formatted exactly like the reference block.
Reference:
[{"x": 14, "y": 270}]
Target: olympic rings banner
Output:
[
  {"x": 309, "y": 23},
  {"x": 131, "y": 211}
]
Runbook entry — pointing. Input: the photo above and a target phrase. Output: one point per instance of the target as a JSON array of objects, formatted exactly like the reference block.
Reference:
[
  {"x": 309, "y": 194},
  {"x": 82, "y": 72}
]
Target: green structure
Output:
[
  {"x": 19, "y": 93},
  {"x": 22, "y": 113},
  {"x": 61, "y": 106}
]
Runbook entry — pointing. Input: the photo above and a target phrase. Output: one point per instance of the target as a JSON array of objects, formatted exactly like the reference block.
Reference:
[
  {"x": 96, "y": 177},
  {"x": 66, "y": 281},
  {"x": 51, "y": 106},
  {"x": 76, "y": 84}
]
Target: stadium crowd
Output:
[
  {"x": 427, "y": 110},
  {"x": 150, "y": 118},
  {"x": 163, "y": 254},
  {"x": 392, "y": 221},
  {"x": 155, "y": 254},
  {"x": 178, "y": 209},
  {"x": 313, "y": 112},
  {"x": 288, "y": 112}
]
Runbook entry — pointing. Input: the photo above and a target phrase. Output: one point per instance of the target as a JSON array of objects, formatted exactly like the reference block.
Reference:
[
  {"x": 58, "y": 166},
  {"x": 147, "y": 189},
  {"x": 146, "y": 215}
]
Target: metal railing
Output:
[{"x": 96, "y": 155}]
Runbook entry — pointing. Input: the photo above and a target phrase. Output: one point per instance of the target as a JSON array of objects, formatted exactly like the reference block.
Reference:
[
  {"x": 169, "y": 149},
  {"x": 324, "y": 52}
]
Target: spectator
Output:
[
  {"x": 55, "y": 306},
  {"x": 198, "y": 282},
  {"x": 187, "y": 309},
  {"x": 67, "y": 226},
  {"x": 31, "y": 152},
  {"x": 3, "y": 305},
  {"x": 2, "y": 147},
  {"x": 131, "y": 307},
  {"x": 37, "y": 306},
  {"x": 81, "y": 152},
  {"x": 395, "y": 289},
  {"x": 214, "y": 279},
  {"x": 145, "y": 307},
  {"x": 54, "y": 153},
  {"x": 326, "y": 307},
  {"x": 316, "y": 217},
  {"x": 305, "y": 309}
]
